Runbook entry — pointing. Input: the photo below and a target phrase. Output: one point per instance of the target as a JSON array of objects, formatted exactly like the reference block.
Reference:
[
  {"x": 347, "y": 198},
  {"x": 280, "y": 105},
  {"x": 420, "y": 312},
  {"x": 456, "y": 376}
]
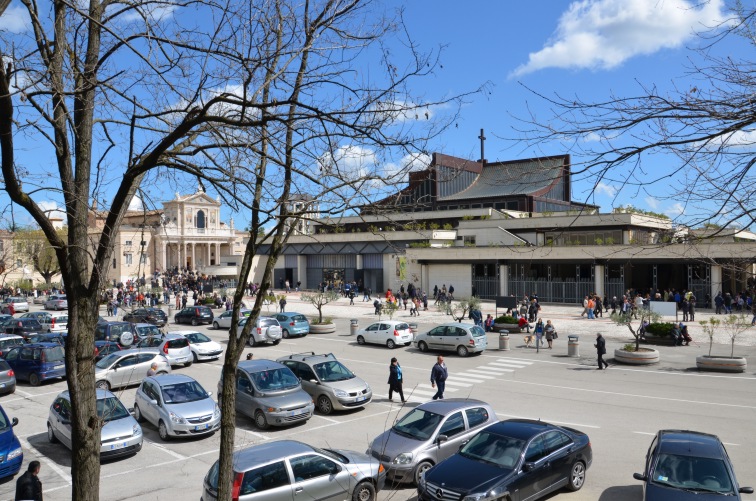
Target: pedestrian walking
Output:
[
  {"x": 550, "y": 332},
  {"x": 538, "y": 330},
  {"x": 601, "y": 351},
  {"x": 28, "y": 485},
  {"x": 439, "y": 373},
  {"x": 110, "y": 308},
  {"x": 395, "y": 380}
]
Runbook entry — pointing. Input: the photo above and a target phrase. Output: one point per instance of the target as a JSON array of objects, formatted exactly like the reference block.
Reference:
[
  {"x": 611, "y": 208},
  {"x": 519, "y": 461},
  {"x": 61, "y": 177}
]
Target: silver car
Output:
[
  {"x": 56, "y": 302},
  {"x": 175, "y": 347},
  {"x": 20, "y": 304},
  {"x": 459, "y": 337},
  {"x": 266, "y": 330},
  {"x": 427, "y": 435},
  {"x": 120, "y": 434},
  {"x": 328, "y": 381},
  {"x": 286, "y": 470},
  {"x": 270, "y": 394},
  {"x": 178, "y": 405},
  {"x": 128, "y": 367}
]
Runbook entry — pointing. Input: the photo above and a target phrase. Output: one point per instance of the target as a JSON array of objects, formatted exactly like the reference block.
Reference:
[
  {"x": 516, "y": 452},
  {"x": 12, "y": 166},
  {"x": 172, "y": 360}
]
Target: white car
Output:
[
  {"x": 223, "y": 321},
  {"x": 55, "y": 322},
  {"x": 175, "y": 347},
  {"x": 266, "y": 330},
  {"x": 390, "y": 333},
  {"x": 20, "y": 304},
  {"x": 203, "y": 348}
]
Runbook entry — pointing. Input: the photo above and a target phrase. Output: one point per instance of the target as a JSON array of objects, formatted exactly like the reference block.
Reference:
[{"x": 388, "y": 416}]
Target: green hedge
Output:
[
  {"x": 660, "y": 329},
  {"x": 505, "y": 319}
]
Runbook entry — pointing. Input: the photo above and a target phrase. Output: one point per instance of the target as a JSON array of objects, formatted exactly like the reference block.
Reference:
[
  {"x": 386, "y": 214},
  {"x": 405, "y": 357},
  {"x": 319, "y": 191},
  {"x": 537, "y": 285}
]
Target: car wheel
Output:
[
  {"x": 577, "y": 476},
  {"x": 163, "y": 431},
  {"x": 176, "y": 320},
  {"x": 324, "y": 404},
  {"x": 462, "y": 351},
  {"x": 390, "y": 344},
  {"x": 194, "y": 322},
  {"x": 51, "y": 435},
  {"x": 285, "y": 334},
  {"x": 276, "y": 342},
  {"x": 216, "y": 326},
  {"x": 252, "y": 341},
  {"x": 261, "y": 421},
  {"x": 138, "y": 414},
  {"x": 360, "y": 340},
  {"x": 34, "y": 379},
  {"x": 188, "y": 364},
  {"x": 103, "y": 385},
  {"x": 422, "y": 346},
  {"x": 194, "y": 357},
  {"x": 421, "y": 468},
  {"x": 364, "y": 492}
]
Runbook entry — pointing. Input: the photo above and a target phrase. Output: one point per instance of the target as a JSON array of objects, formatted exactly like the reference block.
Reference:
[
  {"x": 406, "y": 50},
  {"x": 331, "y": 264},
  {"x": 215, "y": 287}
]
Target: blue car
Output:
[
  {"x": 11, "y": 454},
  {"x": 37, "y": 362},
  {"x": 293, "y": 324}
]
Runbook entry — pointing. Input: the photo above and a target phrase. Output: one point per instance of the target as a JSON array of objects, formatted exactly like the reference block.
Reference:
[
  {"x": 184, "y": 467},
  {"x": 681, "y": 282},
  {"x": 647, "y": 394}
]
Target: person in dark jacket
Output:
[
  {"x": 395, "y": 380},
  {"x": 28, "y": 485},
  {"x": 439, "y": 373},
  {"x": 601, "y": 351}
]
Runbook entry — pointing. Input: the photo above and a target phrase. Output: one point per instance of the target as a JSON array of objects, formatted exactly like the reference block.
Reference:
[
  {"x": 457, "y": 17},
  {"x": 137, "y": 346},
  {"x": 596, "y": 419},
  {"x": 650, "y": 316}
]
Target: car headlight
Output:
[
  {"x": 403, "y": 458},
  {"x": 176, "y": 418},
  {"x": 340, "y": 393},
  {"x": 273, "y": 409},
  {"x": 216, "y": 412},
  {"x": 485, "y": 496},
  {"x": 136, "y": 430},
  {"x": 14, "y": 454},
  {"x": 367, "y": 387}
]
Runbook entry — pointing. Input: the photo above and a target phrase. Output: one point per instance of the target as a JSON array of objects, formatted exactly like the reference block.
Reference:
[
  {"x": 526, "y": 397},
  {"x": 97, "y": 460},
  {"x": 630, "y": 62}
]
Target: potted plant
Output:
[
  {"x": 632, "y": 353},
  {"x": 507, "y": 323},
  {"x": 321, "y": 325},
  {"x": 734, "y": 325}
]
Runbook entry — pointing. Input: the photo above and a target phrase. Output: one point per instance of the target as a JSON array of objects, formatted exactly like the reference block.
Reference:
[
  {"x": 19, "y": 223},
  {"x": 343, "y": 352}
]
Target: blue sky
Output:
[{"x": 590, "y": 48}]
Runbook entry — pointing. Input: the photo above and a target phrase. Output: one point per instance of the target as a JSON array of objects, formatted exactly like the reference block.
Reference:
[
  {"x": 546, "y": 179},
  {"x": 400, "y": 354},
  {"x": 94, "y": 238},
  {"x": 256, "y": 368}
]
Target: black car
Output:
[
  {"x": 194, "y": 315},
  {"x": 515, "y": 459},
  {"x": 688, "y": 465},
  {"x": 154, "y": 316},
  {"x": 23, "y": 326}
]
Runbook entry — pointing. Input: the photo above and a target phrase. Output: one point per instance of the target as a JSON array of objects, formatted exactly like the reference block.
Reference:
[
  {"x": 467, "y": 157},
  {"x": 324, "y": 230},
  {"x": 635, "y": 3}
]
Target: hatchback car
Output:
[
  {"x": 56, "y": 302},
  {"x": 10, "y": 447},
  {"x": 55, "y": 322},
  {"x": 23, "y": 326},
  {"x": 174, "y": 346},
  {"x": 47, "y": 337},
  {"x": 390, "y": 333},
  {"x": 293, "y": 324},
  {"x": 203, "y": 348},
  {"x": 41, "y": 299},
  {"x": 517, "y": 458},
  {"x": 285, "y": 470},
  {"x": 37, "y": 362},
  {"x": 427, "y": 435},
  {"x": 223, "y": 321},
  {"x": 142, "y": 331},
  {"x": 120, "y": 434},
  {"x": 688, "y": 465},
  {"x": 154, "y": 316},
  {"x": 7, "y": 379},
  {"x": 128, "y": 367},
  {"x": 459, "y": 337},
  {"x": 266, "y": 330},
  {"x": 20, "y": 304},
  {"x": 8, "y": 341},
  {"x": 270, "y": 394},
  {"x": 194, "y": 315},
  {"x": 329, "y": 382},
  {"x": 178, "y": 405}
]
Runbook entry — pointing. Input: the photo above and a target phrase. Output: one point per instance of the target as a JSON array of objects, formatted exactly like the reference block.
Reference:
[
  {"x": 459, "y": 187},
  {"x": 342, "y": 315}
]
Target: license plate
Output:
[
  {"x": 360, "y": 399},
  {"x": 201, "y": 427},
  {"x": 117, "y": 446},
  {"x": 293, "y": 413}
]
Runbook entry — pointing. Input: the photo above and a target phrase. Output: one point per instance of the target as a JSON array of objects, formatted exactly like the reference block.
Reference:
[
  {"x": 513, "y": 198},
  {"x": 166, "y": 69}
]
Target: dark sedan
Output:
[
  {"x": 154, "y": 316},
  {"x": 688, "y": 465},
  {"x": 516, "y": 459},
  {"x": 23, "y": 326},
  {"x": 194, "y": 315}
]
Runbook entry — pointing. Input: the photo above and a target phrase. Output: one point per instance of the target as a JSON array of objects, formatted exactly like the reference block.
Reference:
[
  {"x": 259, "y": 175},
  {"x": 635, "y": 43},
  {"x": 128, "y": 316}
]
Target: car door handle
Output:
[{"x": 297, "y": 490}]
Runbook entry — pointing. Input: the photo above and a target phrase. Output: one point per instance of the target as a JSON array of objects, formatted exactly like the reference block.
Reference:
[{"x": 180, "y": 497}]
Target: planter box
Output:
[
  {"x": 721, "y": 364},
  {"x": 512, "y": 328},
  {"x": 658, "y": 340},
  {"x": 322, "y": 328},
  {"x": 646, "y": 356}
]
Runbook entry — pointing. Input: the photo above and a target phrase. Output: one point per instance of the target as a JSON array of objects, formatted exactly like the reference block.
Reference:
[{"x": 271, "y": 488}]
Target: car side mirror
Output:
[
  {"x": 640, "y": 476},
  {"x": 14, "y": 421},
  {"x": 154, "y": 402},
  {"x": 209, "y": 393},
  {"x": 441, "y": 439},
  {"x": 336, "y": 469},
  {"x": 131, "y": 410},
  {"x": 746, "y": 490},
  {"x": 528, "y": 466}
]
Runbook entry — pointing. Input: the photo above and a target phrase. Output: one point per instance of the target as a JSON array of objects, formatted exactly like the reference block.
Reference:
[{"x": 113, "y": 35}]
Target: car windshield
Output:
[
  {"x": 274, "y": 379},
  {"x": 148, "y": 330},
  {"x": 197, "y": 337},
  {"x": 692, "y": 474},
  {"x": 189, "y": 391},
  {"x": 477, "y": 331},
  {"x": 111, "y": 409},
  {"x": 54, "y": 354},
  {"x": 332, "y": 371},
  {"x": 150, "y": 342},
  {"x": 106, "y": 362},
  {"x": 3, "y": 421},
  {"x": 418, "y": 424},
  {"x": 494, "y": 449}
]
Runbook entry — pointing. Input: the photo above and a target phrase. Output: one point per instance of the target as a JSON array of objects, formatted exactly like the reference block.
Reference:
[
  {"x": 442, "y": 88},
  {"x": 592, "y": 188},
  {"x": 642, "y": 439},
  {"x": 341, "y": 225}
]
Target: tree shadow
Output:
[
  {"x": 622, "y": 493},
  {"x": 58, "y": 453}
]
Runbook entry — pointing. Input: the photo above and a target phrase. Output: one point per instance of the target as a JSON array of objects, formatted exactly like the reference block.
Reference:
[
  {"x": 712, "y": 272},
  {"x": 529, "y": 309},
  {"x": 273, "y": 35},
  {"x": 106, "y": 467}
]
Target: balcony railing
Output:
[{"x": 205, "y": 232}]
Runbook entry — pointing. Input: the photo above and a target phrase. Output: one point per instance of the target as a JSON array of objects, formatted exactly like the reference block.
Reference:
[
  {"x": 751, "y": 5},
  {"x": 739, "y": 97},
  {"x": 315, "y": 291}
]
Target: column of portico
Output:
[
  {"x": 716, "y": 281},
  {"x": 209, "y": 261},
  {"x": 217, "y": 254},
  {"x": 598, "y": 279},
  {"x": 504, "y": 279},
  {"x": 165, "y": 263},
  {"x": 194, "y": 259}
]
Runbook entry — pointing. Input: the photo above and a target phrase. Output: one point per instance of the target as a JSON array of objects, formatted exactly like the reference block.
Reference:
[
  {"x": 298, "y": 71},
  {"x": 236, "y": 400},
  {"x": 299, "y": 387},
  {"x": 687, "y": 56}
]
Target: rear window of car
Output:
[
  {"x": 54, "y": 354},
  {"x": 268, "y": 322},
  {"x": 299, "y": 318},
  {"x": 402, "y": 327},
  {"x": 4, "y": 366},
  {"x": 205, "y": 310},
  {"x": 477, "y": 331},
  {"x": 178, "y": 343},
  {"x": 31, "y": 323}
]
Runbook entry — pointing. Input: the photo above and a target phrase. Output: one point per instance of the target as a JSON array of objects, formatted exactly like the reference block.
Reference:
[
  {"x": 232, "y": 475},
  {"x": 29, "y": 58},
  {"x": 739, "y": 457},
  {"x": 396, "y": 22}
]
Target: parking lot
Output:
[{"x": 620, "y": 409}]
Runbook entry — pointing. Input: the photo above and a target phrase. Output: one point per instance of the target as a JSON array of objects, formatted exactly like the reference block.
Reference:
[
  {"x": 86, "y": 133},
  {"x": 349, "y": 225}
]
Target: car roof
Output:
[
  {"x": 115, "y": 322},
  {"x": 144, "y": 324},
  {"x": 184, "y": 333},
  {"x": 11, "y": 336},
  {"x": 165, "y": 379},
  {"x": 172, "y": 335},
  {"x": 131, "y": 351},
  {"x": 309, "y": 357},
  {"x": 101, "y": 394},
  {"x": 456, "y": 324},
  {"x": 259, "y": 365},
  {"x": 689, "y": 443},
  {"x": 448, "y": 405},
  {"x": 41, "y": 345},
  {"x": 264, "y": 453},
  {"x": 523, "y": 429}
]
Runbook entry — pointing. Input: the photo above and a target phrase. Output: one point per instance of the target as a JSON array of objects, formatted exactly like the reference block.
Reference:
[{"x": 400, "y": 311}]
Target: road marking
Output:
[
  {"x": 469, "y": 378},
  {"x": 254, "y": 433},
  {"x": 457, "y": 383},
  {"x": 466, "y": 374},
  {"x": 502, "y": 364},
  {"x": 516, "y": 360},
  {"x": 323, "y": 417},
  {"x": 431, "y": 388},
  {"x": 495, "y": 372},
  {"x": 165, "y": 449},
  {"x": 50, "y": 463}
]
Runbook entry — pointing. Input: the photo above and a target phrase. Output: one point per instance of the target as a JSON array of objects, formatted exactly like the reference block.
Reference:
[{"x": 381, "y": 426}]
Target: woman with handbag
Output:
[
  {"x": 550, "y": 332},
  {"x": 395, "y": 380}
]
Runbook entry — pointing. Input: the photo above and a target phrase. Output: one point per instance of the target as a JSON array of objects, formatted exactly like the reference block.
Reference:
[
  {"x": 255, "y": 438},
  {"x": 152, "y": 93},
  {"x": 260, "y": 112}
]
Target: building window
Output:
[
  {"x": 200, "y": 219},
  {"x": 114, "y": 263},
  {"x": 129, "y": 259},
  {"x": 142, "y": 258},
  {"x": 127, "y": 243},
  {"x": 19, "y": 264},
  {"x": 469, "y": 240}
]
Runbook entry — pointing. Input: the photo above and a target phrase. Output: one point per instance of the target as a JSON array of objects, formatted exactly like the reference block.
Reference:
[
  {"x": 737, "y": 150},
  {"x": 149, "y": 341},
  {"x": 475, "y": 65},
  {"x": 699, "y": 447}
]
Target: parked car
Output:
[
  {"x": 427, "y": 435},
  {"x": 7, "y": 382},
  {"x": 194, "y": 315},
  {"x": 128, "y": 367},
  {"x": 142, "y": 331},
  {"x": 116, "y": 332},
  {"x": 203, "y": 348},
  {"x": 390, "y": 333},
  {"x": 41, "y": 299},
  {"x": 23, "y": 326},
  {"x": 223, "y": 321},
  {"x": 47, "y": 337},
  {"x": 10, "y": 447},
  {"x": 8, "y": 341},
  {"x": 104, "y": 348},
  {"x": 517, "y": 457},
  {"x": 40, "y": 316},
  {"x": 266, "y": 330},
  {"x": 174, "y": 346},
  {"x": 37, "y": 362},
  {"x": 56, "y": 302},
  {"x": 328, "y": 381},
  {"x": 4, "y": 320},
  {"x": 178, "y": 405},
  {"x": 120, "y": 434},
  {"x": 688, "y": 465},
  {"x": 270, "y": 394},
  {"x": 292, "y": 324},
  {"x": 52, "y": 322},
  {"x": 284, "y": 467},
  {"x": 20, "y": 304},
  {"x": 459, "y": 337},
  {"x": 154, "y": 316}
]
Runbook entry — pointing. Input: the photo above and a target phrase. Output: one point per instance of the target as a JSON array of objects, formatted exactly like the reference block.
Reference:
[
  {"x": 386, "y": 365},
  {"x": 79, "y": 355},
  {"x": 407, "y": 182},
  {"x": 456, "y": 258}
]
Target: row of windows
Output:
[{"x": 609, "y": 237}]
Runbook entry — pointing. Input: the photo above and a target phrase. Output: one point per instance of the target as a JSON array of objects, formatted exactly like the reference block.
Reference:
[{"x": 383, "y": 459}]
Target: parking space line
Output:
[
  {"x": 323, "y": 417},
  {"x": 54, "y": 467},
  {"x": 165, "y": 449},
  {"x": 254, "y": 434}
]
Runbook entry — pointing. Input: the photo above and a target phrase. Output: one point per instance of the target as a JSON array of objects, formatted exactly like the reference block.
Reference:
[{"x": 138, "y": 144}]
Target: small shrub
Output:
[
  {"x": 505, "y": 319},
  {"x": 326, "y": 320},
  {"x": 448, "y": 226},
  {"x": 662, "y": 329},
  {"x": 629, "y": 347}
]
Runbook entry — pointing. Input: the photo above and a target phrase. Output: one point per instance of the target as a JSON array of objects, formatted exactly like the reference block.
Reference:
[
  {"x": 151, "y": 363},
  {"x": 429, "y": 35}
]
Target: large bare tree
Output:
[{"x": 256, "y": 100}]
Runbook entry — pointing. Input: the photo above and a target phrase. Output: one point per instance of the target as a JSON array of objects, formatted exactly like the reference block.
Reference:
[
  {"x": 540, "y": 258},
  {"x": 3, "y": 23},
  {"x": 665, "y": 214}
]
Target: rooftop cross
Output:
[{"x": 482, "y": 138}]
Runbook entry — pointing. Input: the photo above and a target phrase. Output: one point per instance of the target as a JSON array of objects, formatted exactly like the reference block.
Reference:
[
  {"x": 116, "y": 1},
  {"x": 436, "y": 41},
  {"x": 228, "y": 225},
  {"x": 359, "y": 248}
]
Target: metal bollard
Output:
[
  {"x": 504, "y": 340},
  {"x": 353, "y": 327},
  {"x": 573, "y": 346}
]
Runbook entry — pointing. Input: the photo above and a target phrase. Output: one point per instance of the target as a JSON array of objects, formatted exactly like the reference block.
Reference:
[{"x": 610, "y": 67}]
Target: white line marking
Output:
[
  {"x": 502, "y": 364},
  {"x": 54, "y": 467},
  {"x": 165, "y": 449},
  {"x": 323, "y": 417},
  {"x": 465, "y": 374},
  {"x": 495, "y": 372},
  {"x": 254, "y": 434},
  {"x": 431, "y": 388},
  {"x": 457, "y": 383},
  {"x": 516, "y": 360}
]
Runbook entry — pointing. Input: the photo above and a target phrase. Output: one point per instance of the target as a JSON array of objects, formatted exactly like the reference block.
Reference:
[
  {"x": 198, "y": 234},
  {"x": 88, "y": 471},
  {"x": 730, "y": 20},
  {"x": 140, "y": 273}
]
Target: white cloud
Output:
[
  {"x": 52, "y": 210},
  {"x": 737, "y": 139},
  {"x": 399, "y": 172},
  {"x": 676, "y": 210},
  {"x": 15, "y": 20},
  {"x": 151, "y": 12},
  {"x": 652, "y": 203},
  {"x": 603, "y": 34},
  {"x": 605, "y": 189},
  {"x": 348, "y": 162}
]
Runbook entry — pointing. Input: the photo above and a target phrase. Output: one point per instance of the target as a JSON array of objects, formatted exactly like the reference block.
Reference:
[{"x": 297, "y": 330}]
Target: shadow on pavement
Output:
[{"x": 622, "y": 493}]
